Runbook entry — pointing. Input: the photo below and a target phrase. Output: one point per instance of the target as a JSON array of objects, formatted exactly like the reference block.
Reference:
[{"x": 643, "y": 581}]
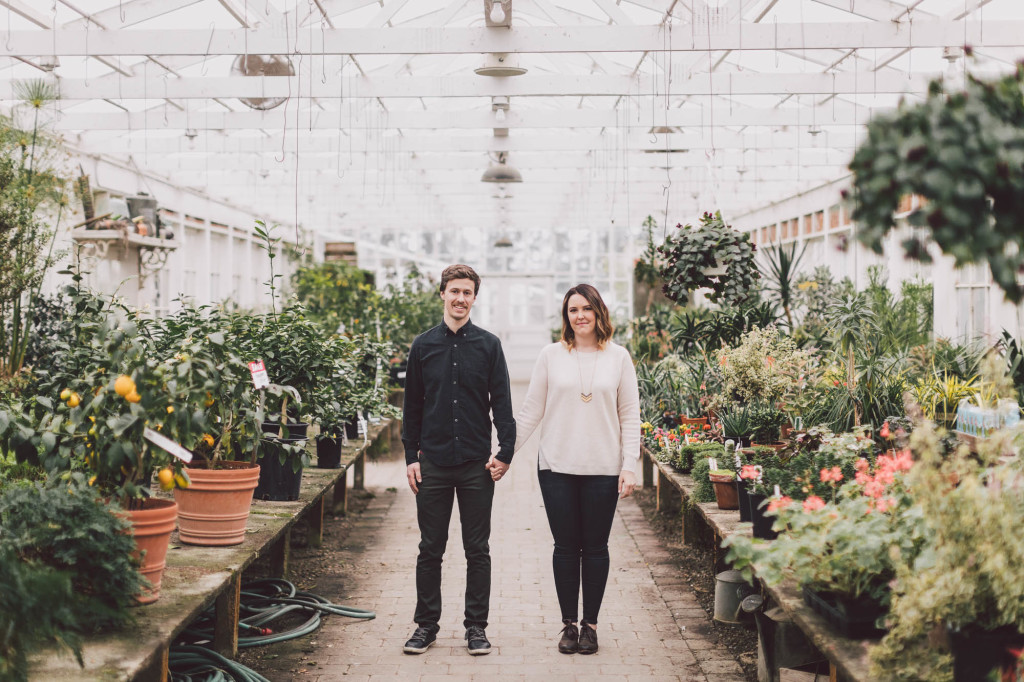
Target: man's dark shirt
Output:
[{"x": 453, "y": 381}]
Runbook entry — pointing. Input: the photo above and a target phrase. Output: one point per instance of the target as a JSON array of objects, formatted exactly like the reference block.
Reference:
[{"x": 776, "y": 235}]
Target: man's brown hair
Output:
[
  {"x": 602, "y": 318},
  {"x": 459, "y": 271}
]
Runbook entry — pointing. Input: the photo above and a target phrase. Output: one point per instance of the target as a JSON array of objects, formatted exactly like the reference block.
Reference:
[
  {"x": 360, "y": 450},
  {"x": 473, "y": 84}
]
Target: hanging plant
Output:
[
  {"x": 711, "y": 256},
  {"x": 962, "y": 152}
]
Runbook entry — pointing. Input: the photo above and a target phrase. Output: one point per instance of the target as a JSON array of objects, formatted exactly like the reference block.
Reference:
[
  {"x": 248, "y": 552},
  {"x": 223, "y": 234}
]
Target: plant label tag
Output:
[
  {"x": 778, "y": 493},
  {"x": 260, "y": 378},
  {"x": 364, "y": 429},
  {"x": 167, "y": 444},
  {"x": 687, "y": 437},
  {"x": 713, "y": 463}
]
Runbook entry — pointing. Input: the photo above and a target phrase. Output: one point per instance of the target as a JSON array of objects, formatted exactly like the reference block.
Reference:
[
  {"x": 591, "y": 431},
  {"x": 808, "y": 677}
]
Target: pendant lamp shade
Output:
[{"x": 501, "y": 173}]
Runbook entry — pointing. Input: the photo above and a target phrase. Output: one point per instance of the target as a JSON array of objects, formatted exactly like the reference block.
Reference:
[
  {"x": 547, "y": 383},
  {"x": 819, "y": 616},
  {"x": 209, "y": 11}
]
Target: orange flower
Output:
[{"x": 777, "y": 503}]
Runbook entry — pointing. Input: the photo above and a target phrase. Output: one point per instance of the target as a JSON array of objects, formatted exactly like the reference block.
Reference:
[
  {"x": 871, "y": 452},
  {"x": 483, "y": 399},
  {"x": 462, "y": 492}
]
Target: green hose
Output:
[
  {"x": 265, "y": 601},
  {"x": 199, "y": 664}
]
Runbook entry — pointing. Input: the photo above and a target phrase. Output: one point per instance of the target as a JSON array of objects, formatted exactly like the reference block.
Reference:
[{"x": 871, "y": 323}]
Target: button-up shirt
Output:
[{"x": 454, "y": 381}]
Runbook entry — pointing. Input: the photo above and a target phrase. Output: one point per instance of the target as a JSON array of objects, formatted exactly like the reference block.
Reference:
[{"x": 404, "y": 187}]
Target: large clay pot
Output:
[
  {"x": 151, "y": 527},
  {"x": 725, "y": 489},
  {"x": 214, "y": 509}
]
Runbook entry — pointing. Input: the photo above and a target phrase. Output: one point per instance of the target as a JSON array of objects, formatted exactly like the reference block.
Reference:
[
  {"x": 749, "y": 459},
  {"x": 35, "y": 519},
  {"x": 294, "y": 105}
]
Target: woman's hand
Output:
[{"x": 627, "y": 484}]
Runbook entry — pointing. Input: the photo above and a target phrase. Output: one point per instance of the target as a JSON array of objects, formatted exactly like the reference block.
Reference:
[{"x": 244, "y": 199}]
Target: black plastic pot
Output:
[
  {"x": 293, "y": 430},
  {"x": 744, "y": 496},
  {"x": 851, "y": 619},
  {"x": 977, "y": 652},
  {"x": 352, "y": 428},
  {"x": 278, "y": 482},
  {"x": 328, "y": 453},
  {"x": 762, "y": 523}
]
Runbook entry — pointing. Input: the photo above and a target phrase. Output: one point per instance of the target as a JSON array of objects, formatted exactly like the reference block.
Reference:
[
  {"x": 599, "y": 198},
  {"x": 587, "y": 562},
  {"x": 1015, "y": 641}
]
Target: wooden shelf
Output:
[{"x": 84, "y": 235}]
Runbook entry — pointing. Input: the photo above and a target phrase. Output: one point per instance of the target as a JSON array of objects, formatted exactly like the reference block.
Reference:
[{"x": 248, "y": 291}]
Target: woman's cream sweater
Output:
[{"x": 600, "y": 437}]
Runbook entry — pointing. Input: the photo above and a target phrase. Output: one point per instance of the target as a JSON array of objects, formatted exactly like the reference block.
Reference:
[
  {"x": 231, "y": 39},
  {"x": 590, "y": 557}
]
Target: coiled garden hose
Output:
[
  {"x": 263, "y": 602},
  {"x": 199, "y": 664}
]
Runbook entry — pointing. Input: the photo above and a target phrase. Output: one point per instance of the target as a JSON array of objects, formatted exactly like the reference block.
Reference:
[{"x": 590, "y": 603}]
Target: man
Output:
[{"x": 455, "y": 378}]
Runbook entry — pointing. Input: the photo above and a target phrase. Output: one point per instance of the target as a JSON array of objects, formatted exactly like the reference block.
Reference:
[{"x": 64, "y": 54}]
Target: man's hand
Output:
[
  {"x": 496, "y": 467},
  {"x": 412, "y": 472},
  {"x": 627, "y": 484}
]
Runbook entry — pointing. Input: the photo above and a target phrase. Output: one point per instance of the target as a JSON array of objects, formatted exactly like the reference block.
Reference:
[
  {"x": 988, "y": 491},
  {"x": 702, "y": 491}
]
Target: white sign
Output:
[
  {"x": 712, "y": 463},
  {"x": 167, "y": 444},
  {"x": 260, "y": 378}
]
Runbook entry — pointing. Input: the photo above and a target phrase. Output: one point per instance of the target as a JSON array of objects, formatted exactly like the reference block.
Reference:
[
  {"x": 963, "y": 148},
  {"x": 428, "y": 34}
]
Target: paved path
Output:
[{"x": 651, "y": 626}]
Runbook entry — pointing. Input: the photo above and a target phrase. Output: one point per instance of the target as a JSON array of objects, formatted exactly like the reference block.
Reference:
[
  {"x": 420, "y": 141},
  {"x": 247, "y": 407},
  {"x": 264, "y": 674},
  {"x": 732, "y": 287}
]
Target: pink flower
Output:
[
  {"x": 777, "y": 503},
  {"x": 749, "y": 472},
  {"x": 814, "y": 503},
  {"x": 833, "y": 474},
  {"x": 862, "y": 465},
  {"x": 874, "y": 489},
  {"x": 903, "y": 461}
]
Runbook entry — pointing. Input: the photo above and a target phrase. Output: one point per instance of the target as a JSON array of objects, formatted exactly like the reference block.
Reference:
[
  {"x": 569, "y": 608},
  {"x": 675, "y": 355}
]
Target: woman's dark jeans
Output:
[{"x": 580, "y": 512}]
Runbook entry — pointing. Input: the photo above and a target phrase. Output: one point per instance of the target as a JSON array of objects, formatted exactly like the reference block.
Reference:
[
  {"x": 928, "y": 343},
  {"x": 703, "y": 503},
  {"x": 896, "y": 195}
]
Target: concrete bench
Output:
[
  {"x": 705, "y": 522},
  {"x": 197, "y": 577}
]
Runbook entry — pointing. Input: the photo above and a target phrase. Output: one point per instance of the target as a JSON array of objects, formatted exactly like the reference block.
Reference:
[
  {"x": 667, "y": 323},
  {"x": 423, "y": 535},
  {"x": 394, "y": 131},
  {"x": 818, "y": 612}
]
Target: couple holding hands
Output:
[{"x": 583, "y": 394}]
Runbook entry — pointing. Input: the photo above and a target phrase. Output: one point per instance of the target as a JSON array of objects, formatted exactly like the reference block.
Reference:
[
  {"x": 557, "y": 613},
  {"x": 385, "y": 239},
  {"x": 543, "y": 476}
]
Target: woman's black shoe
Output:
[
  {"x": 570, "y": 642},
  {"x": 588, "y": 639}
]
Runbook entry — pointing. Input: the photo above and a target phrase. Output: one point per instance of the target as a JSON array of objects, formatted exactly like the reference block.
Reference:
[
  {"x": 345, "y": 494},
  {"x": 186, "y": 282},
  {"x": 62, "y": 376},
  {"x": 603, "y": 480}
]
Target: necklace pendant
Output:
[{"x": 586, "y": 397}]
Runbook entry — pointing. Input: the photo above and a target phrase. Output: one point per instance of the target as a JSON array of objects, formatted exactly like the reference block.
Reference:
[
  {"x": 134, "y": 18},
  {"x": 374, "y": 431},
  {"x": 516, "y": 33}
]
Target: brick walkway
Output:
[{"x": 651, "y": 627}]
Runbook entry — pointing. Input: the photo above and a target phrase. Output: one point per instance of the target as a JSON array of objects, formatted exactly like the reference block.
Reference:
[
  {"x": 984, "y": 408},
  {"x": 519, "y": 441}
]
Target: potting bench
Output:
[
  {"x": 705, "y": 522},
  {"x": 197, "y": 577}
]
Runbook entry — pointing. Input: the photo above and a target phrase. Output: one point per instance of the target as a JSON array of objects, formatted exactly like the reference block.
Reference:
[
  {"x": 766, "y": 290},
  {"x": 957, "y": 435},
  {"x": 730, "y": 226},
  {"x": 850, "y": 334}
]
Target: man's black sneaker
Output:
[
  {"x": 477, "y": 642},
  {"x": 588, "y": 639},
  {"x": 420, "y": 641}
]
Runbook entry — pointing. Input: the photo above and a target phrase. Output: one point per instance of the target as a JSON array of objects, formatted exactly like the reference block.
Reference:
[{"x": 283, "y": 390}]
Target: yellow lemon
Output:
[
  {"x": 65, "y": 394},
  {"x": 124, "y": 385},
  {"x": 92, "y": 480},
  {"x": 208, "y": 439},
  {"x": 182, "y": 481},
  {"x": 170, "y": 409},
  {"x": 166, "y": 478},
  {"x": 74, "y": 400},
  {"x": 133, "y": 397}
]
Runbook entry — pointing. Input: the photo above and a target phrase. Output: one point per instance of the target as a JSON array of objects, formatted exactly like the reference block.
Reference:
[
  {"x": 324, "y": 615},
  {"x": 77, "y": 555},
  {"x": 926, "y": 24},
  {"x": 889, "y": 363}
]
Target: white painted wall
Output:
[{"x": 217, "y": 256}]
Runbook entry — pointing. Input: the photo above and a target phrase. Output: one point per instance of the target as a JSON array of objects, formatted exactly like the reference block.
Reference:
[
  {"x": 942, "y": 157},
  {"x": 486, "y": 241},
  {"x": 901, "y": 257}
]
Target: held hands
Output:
[
  {"x": 496, "y": 467},
  {"x": 627, "y": 484}
]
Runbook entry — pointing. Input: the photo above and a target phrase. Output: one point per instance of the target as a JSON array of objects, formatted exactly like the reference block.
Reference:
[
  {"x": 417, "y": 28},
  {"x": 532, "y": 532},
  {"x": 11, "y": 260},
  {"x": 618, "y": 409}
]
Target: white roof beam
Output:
[
  {"x": 154, "y": 120},
  {"x": 514, "y": 40},
  {"x": 474, "y": 86},
  {"x": 312, "y": 144}
]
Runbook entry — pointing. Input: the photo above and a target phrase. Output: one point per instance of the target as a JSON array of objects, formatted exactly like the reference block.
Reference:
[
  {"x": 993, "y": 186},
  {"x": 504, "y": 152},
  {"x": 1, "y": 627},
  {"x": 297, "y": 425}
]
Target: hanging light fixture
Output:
[
  {"x": 501, "y": 172},
  {"x": 501, "y": 65}
]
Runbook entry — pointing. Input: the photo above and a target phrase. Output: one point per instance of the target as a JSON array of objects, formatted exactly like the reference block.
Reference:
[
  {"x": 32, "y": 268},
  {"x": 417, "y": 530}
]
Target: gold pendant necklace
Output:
[{"x": 586, "y": 396}]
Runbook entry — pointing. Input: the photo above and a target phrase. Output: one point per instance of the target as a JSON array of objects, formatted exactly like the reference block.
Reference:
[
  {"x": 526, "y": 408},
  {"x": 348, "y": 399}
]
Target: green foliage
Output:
[
  {"x": 964, "y": 153},
  {"x": 735, "y": 422},
  {"x": 703, "y": 489},
  {"x": 65, "y": 569},
  {"x": 337, "y": 296},
  {"x": 765, "y": 422},
  {"x": 31, "y": 190},
  {"x": 691, "y": 251},
  {"x": 687, "y": 455},
  {"x": 781, "y": 277}
]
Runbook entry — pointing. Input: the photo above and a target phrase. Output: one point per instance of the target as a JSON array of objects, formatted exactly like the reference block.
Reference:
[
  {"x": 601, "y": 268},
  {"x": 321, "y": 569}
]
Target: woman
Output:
[{"x": 584, "y": 395}]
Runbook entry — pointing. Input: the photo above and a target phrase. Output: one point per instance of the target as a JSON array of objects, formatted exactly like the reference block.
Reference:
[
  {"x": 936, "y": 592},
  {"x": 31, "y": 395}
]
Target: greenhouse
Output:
[{"x": 699, "y": 324}]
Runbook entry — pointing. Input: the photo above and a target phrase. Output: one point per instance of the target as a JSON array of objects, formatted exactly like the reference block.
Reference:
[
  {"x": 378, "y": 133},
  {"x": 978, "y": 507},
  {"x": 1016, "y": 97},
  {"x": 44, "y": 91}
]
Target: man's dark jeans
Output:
[
  {"x": 472, "y": 483},
  {"x": 580, "y": 513}
]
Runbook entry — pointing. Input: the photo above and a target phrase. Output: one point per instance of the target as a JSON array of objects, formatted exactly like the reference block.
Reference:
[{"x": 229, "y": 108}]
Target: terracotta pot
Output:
[
  {"x": 215, "y": 508},
  {"x": 725, "y": 490},
  {"x": 151, "y": 527}
]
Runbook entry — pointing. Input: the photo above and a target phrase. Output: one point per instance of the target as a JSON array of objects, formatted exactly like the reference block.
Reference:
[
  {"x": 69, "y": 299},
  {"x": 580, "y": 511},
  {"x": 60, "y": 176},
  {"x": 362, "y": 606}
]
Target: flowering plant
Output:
[{"x": 849, "y": 546}]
